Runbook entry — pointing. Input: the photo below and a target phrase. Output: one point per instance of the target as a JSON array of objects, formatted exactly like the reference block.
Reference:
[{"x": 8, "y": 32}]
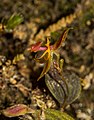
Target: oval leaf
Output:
[
  {"x": 74, "y": 86},
  {"x": 57, "y": 90},
  {"x": 65, "y": 89}
]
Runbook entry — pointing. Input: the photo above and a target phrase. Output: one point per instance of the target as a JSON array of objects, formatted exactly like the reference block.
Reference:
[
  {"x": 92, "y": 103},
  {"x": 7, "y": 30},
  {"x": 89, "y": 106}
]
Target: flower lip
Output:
[{"x": 37, "y": 47}]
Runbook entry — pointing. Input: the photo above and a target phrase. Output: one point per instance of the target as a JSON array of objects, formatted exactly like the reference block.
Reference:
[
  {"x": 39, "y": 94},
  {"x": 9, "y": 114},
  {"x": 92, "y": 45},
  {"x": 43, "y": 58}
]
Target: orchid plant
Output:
[{"x": 48, "y": 51}]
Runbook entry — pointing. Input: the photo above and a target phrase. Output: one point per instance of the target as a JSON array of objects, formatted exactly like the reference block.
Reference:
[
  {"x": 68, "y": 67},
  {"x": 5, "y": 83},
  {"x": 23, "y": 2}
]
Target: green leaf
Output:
[
  {"x": 52, "y": 114},
  {"x": 74, "y": 86},
  {"x": 57, "y": 89},
  {"x": 13, "y": 21},
  {"x": 65, "y": 88}
]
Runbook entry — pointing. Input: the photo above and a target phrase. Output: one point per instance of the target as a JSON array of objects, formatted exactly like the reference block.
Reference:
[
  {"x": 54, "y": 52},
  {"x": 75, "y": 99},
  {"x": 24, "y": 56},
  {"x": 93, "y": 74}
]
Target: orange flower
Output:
[{"x": 49, "y": 50}]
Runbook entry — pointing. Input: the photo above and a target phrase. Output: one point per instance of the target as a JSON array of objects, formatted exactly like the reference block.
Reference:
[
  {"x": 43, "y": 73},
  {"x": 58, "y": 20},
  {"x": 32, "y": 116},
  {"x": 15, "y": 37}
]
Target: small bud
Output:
[{"x": 17, "y": 110}]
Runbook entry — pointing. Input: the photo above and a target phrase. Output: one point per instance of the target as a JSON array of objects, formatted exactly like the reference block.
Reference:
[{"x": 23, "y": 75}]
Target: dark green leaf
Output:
[
  {"x": 74, "y": 86},
  {"x": 65, "y": 88},
  {"x": 57, "y": 90}
]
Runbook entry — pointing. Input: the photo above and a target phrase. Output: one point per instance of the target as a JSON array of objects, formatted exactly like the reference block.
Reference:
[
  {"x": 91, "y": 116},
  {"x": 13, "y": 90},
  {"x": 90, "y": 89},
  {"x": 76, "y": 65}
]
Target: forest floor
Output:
[{"x": 18, "y": 77}]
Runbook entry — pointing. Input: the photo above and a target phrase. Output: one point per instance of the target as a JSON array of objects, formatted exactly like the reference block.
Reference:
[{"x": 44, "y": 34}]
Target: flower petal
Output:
[
  {"x": 35, "y": 47},
  {"x": 46, "y": 66},
  {"x": 62, "y": 39}
]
